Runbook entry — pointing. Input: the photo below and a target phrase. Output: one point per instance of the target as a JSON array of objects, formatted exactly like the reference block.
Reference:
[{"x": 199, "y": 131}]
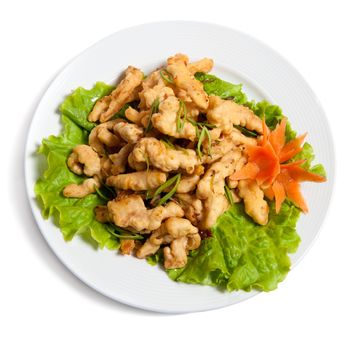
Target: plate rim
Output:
[{"x": 65, "y": 66}]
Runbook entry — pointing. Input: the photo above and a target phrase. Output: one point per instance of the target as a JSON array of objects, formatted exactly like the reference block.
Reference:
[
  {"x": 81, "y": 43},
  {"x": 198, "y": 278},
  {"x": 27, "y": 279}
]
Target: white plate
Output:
[{"x": 238, "y": 58}]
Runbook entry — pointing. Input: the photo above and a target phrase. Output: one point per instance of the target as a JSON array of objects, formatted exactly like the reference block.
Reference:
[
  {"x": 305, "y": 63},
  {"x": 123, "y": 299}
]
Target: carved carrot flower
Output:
[{"x": 267, "y": 165}]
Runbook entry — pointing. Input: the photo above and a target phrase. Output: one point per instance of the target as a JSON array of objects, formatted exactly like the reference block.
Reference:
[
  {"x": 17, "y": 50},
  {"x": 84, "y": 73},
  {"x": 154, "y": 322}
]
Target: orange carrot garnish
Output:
[{"x": 265, "y": 165}]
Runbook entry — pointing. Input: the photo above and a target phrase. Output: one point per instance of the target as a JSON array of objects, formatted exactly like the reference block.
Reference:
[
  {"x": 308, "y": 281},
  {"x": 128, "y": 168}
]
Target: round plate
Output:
[{"x": 239, "y": 59}]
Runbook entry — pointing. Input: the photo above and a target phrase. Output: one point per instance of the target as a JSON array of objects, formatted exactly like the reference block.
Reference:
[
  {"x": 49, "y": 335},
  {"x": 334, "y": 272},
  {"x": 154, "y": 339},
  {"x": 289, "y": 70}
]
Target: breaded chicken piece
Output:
[
  {"x": 155, "y": 152},
  {"x": 192, "y": 110},
  {"x": 175, "y": 256},
  {"x": 192, "y": 206},
  {"x": 131, "y": 212},
  {"x": 120, "y": 159},
  {"x": 160, "y": 92},
  {"x": 138, "y": 166},
  {"x": 211, "y": 187},
  {"x": 153, "y": 87},
  {"x": 184, "y": 236},
  {"x": 213, "y": 181},
  {"x": 101, "y": 214},
  {"x": 204, "y": 65},
  {"x": 106, "y": 107},
  {"x": 174, "y": 227},
  {"x": 88, "y": 186},
  {"x": 255, "y": 205},
  {"x": 188, "y": 183},
  {"x": 165, "y": 120},
  {"x": 84, "y": 160},
  {"x": 127, "y": 246},
  {"x": 178, "y": 67},
  {"x": 147, "y": 249},
  {"x": 135, "y": 116},
  {"x": 106, "y": 166},
  {"x": 223, "y": 144},
  {"x": 214, "y": 206},
  {"x": 130, "y": 133},
  {"x": 231, "y": 183},
  {"x": 138, "y": 181},
  {"x": 102, "y": 136},
  {"x": 226, "y": 113},
  {"x": 173, "y": 230}
]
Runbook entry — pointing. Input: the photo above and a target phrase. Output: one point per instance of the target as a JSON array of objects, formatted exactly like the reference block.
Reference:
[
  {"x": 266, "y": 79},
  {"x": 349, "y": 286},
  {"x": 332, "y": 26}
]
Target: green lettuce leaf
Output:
[
  {"x": 215, "y": 86},
  {"x": 226, "y": 90},
  {"x": 78, "y": 105},
  {"x": 308, "y": 154},
  {"x": 73, "y": 216},
  {"x": 242, "y": 254},
  {"x": 239, "y": 255},
  {"x": 272, "y": 114}
]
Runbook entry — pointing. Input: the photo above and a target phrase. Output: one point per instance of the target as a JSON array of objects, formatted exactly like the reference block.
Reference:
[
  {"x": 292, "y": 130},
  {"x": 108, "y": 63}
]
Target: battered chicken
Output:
[
  {"x": 153, "y": 87},
  {"x": 185, "y": 237},
  {"x": 204, "y": 65},
  {"x": 192, "y": 206},
  {"x": 229, "y": 180},
  {"x": 213, "y": 181},
  {"x": 226, "y": 113},
  {"x": 120, "y": 159},
  {"x": 214, "y": 206},
  {"x": 254, "y": 203},
  {"x": 175, "y": 256},
  {"x": 224, "y": 143},
  {"x": 131, "y": 212},
  {"x": 101, "y": 214},
  {"x": 106, "y": 107},
  {"x": 138, "y": 181},
  {"x": 102, "y": 136},
  {"x": 135, "y": 116},
  {"x": 130, "y": 133},
  {"x": 166, "y": 120},
  {"x": 106, "y": 167},
  {"x": 211, "y": 188},
  {"x": 161, "y": 136},
  {"x": 88, "y": 186},
  {"x": 177, "y": 66},
  {"x": 84, "y": 160},
  {"x": 188, "y": 183},
  {"x": 182, "y": 235},
  {"x": 127, "y": 246},
  {"x": 155, "y": 152}
]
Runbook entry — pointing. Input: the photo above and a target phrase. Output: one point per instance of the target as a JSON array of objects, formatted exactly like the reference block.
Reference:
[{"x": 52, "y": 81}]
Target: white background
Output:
[{"x": 42, "y": 306}]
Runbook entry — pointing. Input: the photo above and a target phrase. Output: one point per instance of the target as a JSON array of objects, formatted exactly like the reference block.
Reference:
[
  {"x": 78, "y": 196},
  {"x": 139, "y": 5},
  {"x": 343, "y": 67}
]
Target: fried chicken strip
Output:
[
  {"x": 120, "y": 159},
  {"x": 204, "y": 65},
  {"x": 192, "y": 206},
  {"x": 106, "y": 107},
  {"x": 130, "y": 133},
  {"x": 152, "y": 150},
  {"x": 211, "y": 187},
  {"x": 166, "y": 120},
  {"x": 255, "y": 205},
  {"x": 182, "y": 235},
  {"x": 138, "y": 181},
  {"x": 102, "y": 136},
  {"x": 226, "y": 113},
  {"x": 131, "y": 212},
  {"x": 88, "y": 186},
  {"x": 178, "y": 67},
  {"x": 84, "y": 160}
]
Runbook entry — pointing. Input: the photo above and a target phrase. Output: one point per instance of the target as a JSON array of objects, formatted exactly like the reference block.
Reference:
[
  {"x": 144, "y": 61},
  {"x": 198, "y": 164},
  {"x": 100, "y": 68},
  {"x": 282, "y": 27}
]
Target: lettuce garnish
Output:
[{"x": 239, "y": 255}]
